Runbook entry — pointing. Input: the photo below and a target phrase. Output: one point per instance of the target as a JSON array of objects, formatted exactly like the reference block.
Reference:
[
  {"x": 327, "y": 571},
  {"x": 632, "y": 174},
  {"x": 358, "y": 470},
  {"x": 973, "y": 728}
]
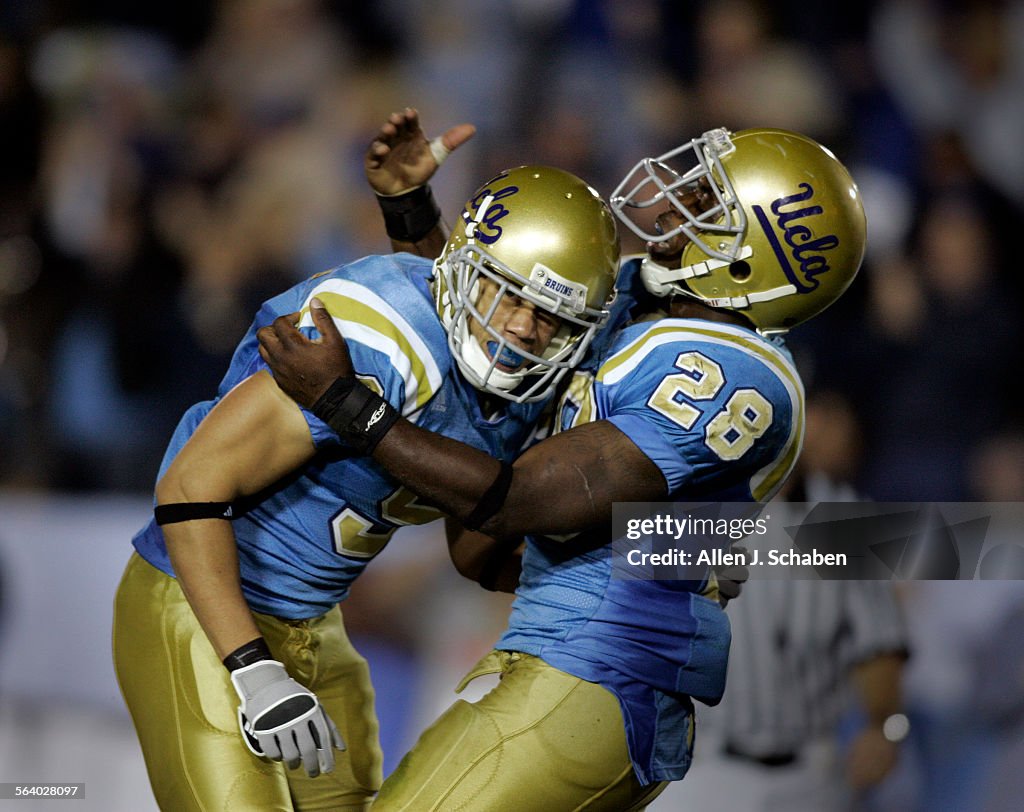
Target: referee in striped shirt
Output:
[{"x": 812, "y": 712}]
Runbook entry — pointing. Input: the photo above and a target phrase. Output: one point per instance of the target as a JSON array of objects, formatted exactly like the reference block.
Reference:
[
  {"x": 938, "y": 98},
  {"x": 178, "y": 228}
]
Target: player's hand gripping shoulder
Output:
[
  {"x": 319, "y": 375},
  {"x": 305, "y": 369}
]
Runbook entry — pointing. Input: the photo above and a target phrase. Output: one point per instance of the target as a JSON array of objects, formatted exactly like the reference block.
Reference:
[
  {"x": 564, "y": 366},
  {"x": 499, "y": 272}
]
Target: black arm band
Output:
[
  {"x": 410, "y": 216},
  {"x": 251, "y": 652},
  {"x": 359, "y": 416},
  {"x": 187, "y": 511},
  {"x": 496, "y": 561},
  {"x": 492, "y": 500}
]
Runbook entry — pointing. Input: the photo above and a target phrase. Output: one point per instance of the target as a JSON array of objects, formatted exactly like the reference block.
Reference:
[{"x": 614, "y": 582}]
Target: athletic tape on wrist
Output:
[
  {"x": 359, "y": 416},
  {"x": 410, "y": 216},
  {"x": 247, "y": 654},
  {"x": 187, "y": 511}
]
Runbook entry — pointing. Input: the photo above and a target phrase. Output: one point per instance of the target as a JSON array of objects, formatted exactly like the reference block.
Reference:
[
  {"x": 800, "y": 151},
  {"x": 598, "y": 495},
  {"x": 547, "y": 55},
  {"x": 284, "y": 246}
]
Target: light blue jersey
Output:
[
  {"x": 307, "y": 538},
  {"x": 719, "y": 410}
]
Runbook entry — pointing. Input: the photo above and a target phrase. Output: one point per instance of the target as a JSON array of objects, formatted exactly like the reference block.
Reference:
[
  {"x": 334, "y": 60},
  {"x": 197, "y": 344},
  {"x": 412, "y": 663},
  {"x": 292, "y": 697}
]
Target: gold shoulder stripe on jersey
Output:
[
  {"x": 361, "y": 313},
  {"x": 766, "y": 482}
]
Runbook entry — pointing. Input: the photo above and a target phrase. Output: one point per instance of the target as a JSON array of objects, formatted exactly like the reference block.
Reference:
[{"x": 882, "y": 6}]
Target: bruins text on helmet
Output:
[
  {"x": 779, "y": 232},
  {"x": 541, "y": 234}
]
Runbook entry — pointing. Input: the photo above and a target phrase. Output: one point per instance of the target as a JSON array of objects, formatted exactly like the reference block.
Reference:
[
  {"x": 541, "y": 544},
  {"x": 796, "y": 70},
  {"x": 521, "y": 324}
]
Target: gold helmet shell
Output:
[
  {"x": 780, "y": 237},
  {"x": 541, "y": 234}
]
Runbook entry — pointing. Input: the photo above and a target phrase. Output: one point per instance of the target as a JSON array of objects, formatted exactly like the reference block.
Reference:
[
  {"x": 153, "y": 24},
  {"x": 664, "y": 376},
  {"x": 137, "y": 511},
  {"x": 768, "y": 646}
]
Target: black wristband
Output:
[
  {"x": 410, "y": 216},
  {"x": 331, "y": 402},
  {"x": 359, "y": 416},
  {"x": 251, "y": 652},
  {"x": 492, "y": 500},
  {"x": 187, "y": 511}
]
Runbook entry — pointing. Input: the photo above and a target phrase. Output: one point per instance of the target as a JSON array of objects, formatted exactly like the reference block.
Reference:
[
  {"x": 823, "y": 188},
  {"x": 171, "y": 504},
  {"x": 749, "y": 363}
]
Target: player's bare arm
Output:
[
  {"x": 494, "y": 563},
  {"x": 589, "y": 467},
  {"x": 399, "y": 163},
  {"x": 252, "y": 438}
]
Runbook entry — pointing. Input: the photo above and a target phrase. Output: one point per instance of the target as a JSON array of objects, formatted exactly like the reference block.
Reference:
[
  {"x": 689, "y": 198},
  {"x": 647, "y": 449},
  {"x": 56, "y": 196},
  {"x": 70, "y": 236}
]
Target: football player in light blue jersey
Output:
[
  {"x": 265, "y": 516},
  {"x": 749, "y": 234}
]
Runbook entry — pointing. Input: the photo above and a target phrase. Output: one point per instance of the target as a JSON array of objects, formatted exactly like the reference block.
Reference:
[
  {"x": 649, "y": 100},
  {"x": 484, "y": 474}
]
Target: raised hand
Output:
[
  {"x": 401, "y": 157},
  {"x": 303, "y": 368}
]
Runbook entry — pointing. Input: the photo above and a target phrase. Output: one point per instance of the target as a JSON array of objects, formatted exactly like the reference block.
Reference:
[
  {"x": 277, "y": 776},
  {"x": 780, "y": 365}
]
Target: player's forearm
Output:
[
  {"x": 252, "y": 438},
  {"x": 205, "y": 560},
  {"x": 564, "y": 484},
  {"x": 429, "y": 246},
  {"x": 446, "y": 473},
  {"x": 413, "y": 222},
  {"x": 204, "y": 552}
]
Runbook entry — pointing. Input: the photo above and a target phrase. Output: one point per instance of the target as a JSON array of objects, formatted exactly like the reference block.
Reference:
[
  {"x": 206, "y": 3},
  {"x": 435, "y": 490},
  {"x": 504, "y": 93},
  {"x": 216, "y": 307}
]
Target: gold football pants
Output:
[
  {"x": 185, "y": 708},
  {"x": 540, "y": 741}
]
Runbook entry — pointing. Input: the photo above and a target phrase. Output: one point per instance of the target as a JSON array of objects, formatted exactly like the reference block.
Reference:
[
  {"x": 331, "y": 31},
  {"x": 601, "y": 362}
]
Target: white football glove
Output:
[{"x": 283, "y": 720}]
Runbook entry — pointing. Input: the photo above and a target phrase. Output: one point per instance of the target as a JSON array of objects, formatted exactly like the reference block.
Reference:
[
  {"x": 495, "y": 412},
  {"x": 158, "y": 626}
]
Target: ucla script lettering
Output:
[
  {"x": 484, "y": 225},
  {"x": 806, "y": 252}
]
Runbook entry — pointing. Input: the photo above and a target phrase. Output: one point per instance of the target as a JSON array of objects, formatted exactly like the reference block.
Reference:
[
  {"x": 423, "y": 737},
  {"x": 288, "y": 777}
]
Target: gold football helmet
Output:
[
  {"x": 545, "y": 236},
  {"x": 778, "y": 233}
]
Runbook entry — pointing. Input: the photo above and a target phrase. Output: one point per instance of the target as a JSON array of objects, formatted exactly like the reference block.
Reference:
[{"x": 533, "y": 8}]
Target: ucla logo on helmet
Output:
[
  {"x": 485, "y": 222},
  {"x": 804, "y": 257}
]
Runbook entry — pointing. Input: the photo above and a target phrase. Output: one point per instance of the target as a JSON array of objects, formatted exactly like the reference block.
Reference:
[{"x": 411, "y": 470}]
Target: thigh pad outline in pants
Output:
[
  {"x": 184, "y": 708},
  {"x": 541, "y": 740}
]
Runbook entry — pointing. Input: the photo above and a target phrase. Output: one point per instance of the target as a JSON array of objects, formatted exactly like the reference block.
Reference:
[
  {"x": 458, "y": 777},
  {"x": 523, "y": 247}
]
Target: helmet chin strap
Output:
[{"x": 662, "y": 281}]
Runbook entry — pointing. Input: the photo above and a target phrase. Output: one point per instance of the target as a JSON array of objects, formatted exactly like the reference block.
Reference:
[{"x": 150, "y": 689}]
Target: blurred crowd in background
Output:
[{"x": 164, "y": 168}]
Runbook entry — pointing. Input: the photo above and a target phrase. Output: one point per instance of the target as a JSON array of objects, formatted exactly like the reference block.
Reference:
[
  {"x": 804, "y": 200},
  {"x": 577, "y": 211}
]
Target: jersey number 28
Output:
[{"x": 746, "y": 415}]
